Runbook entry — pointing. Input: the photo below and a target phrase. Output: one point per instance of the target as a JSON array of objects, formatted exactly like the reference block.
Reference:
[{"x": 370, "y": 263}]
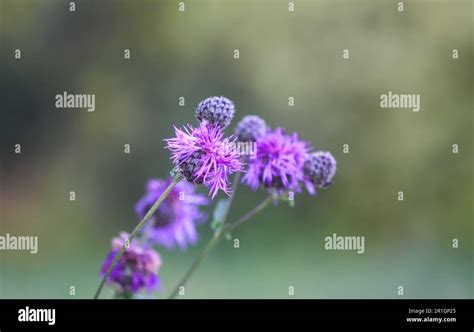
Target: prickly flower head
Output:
[
  {"x": 203, "y": 155},
  {"x": 278, "y": 163}
]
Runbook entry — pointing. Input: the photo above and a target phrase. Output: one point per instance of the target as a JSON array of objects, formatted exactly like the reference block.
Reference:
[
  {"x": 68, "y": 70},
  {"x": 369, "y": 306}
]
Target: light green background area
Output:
[{"x": 282, "y": 54}]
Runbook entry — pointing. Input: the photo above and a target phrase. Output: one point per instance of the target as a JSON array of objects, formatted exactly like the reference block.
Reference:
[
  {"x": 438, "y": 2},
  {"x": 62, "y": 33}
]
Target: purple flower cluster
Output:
[
  {"x": 173, "y": 224},
  {"x": 202, "y": 154},
  {"x": 137, "y": 269},
  {"x": 283, "y": 162}
]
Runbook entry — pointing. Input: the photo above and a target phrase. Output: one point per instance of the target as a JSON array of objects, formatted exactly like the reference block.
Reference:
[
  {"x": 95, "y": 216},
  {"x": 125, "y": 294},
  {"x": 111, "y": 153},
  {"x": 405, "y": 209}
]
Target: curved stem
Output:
[
  {"x": 202, "y": 256},
  {"x": 248, "y": 215},
  {"x": 215, "y": 240},
  {"x": 137, "y": 229}
]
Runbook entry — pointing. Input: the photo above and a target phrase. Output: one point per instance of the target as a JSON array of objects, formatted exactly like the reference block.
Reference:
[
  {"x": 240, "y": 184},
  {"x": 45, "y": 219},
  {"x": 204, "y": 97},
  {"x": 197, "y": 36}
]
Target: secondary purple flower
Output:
[
  {"x": 202, "y": 155},
  {"x": 174, "y": 222},
  {"x": 137, "y": 269},
  {"x": 216, "y": 110},
  {"x": 250, "y": 128},
  {"x": 319, "y": 169},
  {"x": 278, "y": 162}
]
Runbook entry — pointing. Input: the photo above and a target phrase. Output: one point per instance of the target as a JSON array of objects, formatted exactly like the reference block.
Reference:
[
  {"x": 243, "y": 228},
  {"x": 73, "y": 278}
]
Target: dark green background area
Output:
[{"x": 282, "y": 54}]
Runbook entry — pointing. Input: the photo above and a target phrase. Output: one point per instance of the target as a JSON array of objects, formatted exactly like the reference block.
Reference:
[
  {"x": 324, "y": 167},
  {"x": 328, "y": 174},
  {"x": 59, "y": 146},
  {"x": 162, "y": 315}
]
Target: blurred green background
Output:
[{"x": 282, "y": 54}]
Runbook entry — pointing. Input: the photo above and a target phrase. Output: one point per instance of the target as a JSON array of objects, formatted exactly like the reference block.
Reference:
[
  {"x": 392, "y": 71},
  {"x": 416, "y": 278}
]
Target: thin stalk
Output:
[
  {"x": 231, "y": 198},
  {"x": 215, "y": 240},
  {"x": 137, "y": 229},
  {"x": 232, "y": 226}
]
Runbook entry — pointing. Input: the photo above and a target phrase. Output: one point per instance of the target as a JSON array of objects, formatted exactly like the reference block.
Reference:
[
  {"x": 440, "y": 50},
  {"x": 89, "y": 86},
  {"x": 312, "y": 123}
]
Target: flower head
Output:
[
  {"x": 319, "y": 169},
  {"x": 216, "y": 110},
  {"x": 174, "y": 222},
  {"x": 137, "y": 269},
  {"x": 250, "y": 128},
  {"x": 202, "y": 155},
  {"x": 278, "y": 163}
]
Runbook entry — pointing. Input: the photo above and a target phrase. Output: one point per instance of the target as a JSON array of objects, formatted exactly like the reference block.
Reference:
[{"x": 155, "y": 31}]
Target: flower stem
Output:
[
  {"x": 232, "y": 226},
  {"x": 218, "y": 235},
  {"x": 231, "y": 198},
  {"x": 137, "y": 229}
]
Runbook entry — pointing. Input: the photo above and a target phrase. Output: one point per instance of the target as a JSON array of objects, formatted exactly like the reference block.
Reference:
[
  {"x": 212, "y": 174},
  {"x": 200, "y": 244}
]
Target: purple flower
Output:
[
  {"x": 250, "y": 128},
  {"x": 278, "y": 163},
  {"x": 174, "y": 221},
  {"x": 319, "y": 169},
  {"x": 216, "y": 110},
  {"x": 137, "y": 269},
  {"x": 202, "y": 155}
]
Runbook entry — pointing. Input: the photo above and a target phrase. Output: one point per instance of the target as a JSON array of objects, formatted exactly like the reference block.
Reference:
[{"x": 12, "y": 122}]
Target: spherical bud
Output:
[
  {"x": 320, "y": 168},
  {"x": 250, "y": 128},
  {"x": 216, "y": 110}
]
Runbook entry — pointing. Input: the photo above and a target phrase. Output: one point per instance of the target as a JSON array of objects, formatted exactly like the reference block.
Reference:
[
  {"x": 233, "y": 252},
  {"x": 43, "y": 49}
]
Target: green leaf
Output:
[{"x": 219, "y": 213}]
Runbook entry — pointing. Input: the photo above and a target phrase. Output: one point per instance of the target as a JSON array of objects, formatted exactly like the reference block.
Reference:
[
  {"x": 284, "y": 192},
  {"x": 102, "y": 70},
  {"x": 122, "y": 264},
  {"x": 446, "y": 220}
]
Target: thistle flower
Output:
[
  {"x": 216, "y": 110},
  {"x": 202, "y": 155},
  {"x": 137, "y": 269},
  {"x": 319, "y": 169},
  {"x": 250, "y": 128},
  {"x": 278, "y": 163},
  {"x": 174, "y": 222}
]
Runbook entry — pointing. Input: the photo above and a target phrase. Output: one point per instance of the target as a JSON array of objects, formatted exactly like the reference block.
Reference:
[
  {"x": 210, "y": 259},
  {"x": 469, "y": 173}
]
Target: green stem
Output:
[
  {"x": 137, "y": 229},
  {"x": 231, "y": 198},
  {"x": 231, "y": 227},
  {"x": 215, "y": 240}
]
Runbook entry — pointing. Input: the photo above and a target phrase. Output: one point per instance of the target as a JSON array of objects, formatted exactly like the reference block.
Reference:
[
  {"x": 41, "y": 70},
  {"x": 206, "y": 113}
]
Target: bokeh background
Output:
[{"x": 282, "y": 54}]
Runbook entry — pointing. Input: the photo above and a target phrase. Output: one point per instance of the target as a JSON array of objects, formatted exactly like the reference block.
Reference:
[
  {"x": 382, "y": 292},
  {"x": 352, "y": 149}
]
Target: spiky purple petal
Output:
[
  {"x": 278, "y": 163},
  {"x": 203, "y": 155}
]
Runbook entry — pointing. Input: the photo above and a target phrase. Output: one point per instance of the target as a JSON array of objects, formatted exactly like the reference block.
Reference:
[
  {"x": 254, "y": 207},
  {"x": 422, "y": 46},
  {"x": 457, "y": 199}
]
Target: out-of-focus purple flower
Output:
[
  {"x": 250, "y": 128},
  {"x": 202, "y": 155},
  {"x": 319, "y": 169},
  {"x": 278, "y": 163},
  {"x": 174, "y": 222},
  {"x": 137, "y": 269},
  {"x": 216, "y": 110}
]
